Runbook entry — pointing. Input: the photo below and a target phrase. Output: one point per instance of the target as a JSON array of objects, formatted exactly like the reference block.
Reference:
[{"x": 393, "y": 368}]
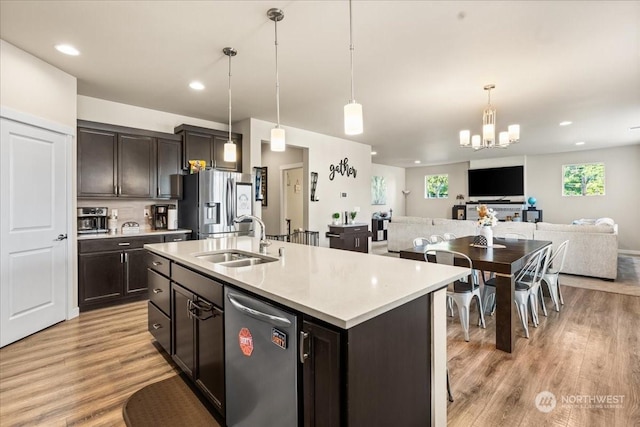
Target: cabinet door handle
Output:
[
  {"x": 124, "y": 244},
  {"x": 303, "y": 356},
  {"x": 156, "y": 263},
  {"x": 126, "y": 257},
  {"x": 156, "y": 326},
  {"x": 115, "y": 190},
  {"x": 158, "y": 291},
  {"x": 121, "y": 257},
  {"x": 177, "y": 240},
  {"x": 158, "y": 191}
]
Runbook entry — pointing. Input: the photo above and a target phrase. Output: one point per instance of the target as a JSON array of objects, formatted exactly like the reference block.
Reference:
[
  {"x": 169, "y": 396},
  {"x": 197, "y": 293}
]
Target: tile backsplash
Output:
[{"x": 128, "y": 209}]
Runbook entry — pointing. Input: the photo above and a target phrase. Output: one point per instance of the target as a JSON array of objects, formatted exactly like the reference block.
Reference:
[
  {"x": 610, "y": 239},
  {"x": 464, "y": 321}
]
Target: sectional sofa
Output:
[{"x": 592, "y": 250}]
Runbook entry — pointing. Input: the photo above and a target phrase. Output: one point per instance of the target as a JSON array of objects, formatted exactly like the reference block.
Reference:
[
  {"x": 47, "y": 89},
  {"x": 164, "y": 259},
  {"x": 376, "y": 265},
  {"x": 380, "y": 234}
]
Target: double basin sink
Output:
[{"x": 234, "y": 258}]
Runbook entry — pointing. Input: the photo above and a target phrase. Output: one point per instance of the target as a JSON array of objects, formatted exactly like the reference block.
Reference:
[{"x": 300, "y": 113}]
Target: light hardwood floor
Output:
[{"x": 80, "y": 372}]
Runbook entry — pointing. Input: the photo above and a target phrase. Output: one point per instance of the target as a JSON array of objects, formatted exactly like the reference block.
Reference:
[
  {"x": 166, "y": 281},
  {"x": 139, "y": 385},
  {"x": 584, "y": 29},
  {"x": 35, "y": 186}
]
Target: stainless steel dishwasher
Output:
[{"x": 261, "y": 363}]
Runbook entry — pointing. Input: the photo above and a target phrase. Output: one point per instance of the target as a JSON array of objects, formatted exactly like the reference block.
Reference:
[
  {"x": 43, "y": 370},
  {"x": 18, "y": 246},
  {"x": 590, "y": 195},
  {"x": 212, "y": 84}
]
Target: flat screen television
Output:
[{"x": 496, "y": 182}]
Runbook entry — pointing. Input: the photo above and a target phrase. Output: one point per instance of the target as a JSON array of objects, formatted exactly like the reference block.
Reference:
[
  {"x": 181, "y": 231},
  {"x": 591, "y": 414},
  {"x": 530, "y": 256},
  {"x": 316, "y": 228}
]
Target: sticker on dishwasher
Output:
[
  {"x": 246, "y": 341},
  {"x": 279, "y": 338}
]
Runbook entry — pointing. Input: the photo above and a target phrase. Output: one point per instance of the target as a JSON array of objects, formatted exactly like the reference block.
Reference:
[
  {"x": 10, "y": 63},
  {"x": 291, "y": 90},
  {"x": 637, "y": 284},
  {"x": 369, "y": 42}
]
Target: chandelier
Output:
[{"x": 488, "y": 139}]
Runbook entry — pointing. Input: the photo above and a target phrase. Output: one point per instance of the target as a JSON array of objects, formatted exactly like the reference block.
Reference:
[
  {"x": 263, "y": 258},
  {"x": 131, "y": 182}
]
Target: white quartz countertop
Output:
[
  {"x": 142, "y": 232},
  {"x": 340, "y": 287}
]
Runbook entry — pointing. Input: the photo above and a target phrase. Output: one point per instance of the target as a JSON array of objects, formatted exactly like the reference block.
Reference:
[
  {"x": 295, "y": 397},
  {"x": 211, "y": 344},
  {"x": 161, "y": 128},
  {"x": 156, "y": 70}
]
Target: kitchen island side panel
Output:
[{"x": 389, "y": 359}]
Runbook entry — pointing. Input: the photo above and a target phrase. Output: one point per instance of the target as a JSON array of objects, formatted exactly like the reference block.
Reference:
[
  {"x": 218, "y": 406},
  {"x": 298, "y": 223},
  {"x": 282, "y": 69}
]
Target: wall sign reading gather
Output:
[{"x": 342, "y": 168}]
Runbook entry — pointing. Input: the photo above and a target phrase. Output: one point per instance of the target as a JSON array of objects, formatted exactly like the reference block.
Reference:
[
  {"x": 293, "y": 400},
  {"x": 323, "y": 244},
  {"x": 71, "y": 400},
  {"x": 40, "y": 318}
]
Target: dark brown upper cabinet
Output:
[
  {"x": 97, "y": 163},
  {"x": 117, "y": 161},
  {"x": 208, "y": 144},
  {"x": 169, "y": 163}
]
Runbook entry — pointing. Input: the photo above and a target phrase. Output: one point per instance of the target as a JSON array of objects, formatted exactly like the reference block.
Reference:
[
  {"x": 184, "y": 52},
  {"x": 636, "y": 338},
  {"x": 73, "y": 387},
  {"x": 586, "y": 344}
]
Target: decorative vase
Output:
[
  {"x": 487, "y": 232},
  {"x": 350, "y": 221}
]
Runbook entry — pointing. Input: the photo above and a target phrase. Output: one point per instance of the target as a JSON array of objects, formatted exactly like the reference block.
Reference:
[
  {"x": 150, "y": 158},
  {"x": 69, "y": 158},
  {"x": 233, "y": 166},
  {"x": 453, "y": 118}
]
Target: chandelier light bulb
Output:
[
  {"x": 514, "y": 133},
  {"x": 465, "y": 138}
]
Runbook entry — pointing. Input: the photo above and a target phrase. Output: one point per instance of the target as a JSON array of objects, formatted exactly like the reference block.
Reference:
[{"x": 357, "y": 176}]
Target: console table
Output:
[{"x": 502, "y": 209}]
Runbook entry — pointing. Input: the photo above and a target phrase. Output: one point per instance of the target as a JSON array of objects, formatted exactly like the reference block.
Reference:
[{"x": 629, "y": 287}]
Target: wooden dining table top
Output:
[{"x": 506, "y": 256}]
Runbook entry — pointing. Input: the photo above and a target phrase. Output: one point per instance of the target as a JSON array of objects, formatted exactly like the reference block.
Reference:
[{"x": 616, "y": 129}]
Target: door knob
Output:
[{"x": 61, "y": 237}]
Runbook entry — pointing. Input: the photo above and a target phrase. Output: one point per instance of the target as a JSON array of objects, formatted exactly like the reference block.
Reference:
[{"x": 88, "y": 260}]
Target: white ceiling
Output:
[{"x": 420, "y": 66}]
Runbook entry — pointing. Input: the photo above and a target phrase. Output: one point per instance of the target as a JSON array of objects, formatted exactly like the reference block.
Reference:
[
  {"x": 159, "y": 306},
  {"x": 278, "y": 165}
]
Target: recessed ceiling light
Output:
[
  {"x": 373, "y": 153},
  {"x": 565, "y": 123},
  {"x": 67, "y": 49},
  {"x": 580, "y": 143},
  {"x": 634, "y": 128},
  {"x": 196, "y": 85},
  {"x": 416, "y": 162}
]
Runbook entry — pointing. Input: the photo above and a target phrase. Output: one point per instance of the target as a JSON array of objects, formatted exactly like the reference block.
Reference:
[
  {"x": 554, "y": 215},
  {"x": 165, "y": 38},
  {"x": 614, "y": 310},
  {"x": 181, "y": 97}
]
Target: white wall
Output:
[
  {"x": 417, "y": 205},
  {"x": 30, "y": 85},
  {"x": 115, "y": 113},
  {"x": 324, "y": 151},
  {"x": 271, "y": 214},
  {"x": 47, "y": 94},
  {"x": 622, "y": 190},
  {"x": 395, "y": 179},
  {"x": 543, "y": 180}
]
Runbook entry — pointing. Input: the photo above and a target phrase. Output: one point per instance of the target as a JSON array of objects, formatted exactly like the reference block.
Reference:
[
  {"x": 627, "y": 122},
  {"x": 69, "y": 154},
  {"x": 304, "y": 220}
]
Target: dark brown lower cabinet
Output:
[
  {"x": 198, "y": 342},
  {"x": 112, "y": 271},
  {"x": 321, "y": 376},
  {"x": 349, "y": 237}
]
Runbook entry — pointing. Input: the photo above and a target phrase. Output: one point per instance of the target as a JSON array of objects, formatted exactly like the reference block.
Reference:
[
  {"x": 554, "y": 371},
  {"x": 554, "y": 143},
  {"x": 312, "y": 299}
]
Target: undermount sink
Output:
[{"x": 234, "y": 258}]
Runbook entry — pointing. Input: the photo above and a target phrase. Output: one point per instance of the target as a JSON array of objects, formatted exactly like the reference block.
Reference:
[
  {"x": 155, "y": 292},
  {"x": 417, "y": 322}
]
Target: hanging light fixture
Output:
[
  {"x": 277, "y": 133},
  {"x": 352, "y": 111},
  {"x": 229, "y": 146},
  {"x": 488, "y": 140}
]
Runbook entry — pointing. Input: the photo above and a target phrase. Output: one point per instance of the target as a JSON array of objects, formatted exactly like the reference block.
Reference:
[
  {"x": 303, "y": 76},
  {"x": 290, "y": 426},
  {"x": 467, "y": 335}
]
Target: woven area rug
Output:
[
  {"x": 167, "y": 403},
  {"x": 627, "y": 282}
]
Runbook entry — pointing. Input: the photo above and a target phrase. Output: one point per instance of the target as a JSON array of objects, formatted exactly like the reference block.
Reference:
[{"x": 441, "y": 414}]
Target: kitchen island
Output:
[{"x": 372, "y": 329}]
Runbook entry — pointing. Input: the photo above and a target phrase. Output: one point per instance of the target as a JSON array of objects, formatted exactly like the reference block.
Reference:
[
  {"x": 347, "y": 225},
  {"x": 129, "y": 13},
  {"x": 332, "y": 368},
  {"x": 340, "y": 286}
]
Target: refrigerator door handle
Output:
[
  {"x": 229, "y": 201},
  {"x": 277, "y": 320}
]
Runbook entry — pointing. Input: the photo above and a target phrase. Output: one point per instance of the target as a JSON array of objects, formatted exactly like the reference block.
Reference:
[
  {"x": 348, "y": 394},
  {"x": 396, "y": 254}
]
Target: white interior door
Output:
[{"x": 33, "y": 214}]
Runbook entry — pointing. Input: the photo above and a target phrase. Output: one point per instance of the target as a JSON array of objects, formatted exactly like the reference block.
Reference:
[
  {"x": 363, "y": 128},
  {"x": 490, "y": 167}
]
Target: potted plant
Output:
[
  {"x": 336, "y": 218},
  {"x": 352, "y": 216}
]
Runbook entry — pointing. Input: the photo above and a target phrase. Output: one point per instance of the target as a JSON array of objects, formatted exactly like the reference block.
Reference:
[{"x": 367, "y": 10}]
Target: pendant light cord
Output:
[
  {"x": 277, "y": 77},
  {"x": 229, "y": 98},
  {"x": 351, "y": 48}
]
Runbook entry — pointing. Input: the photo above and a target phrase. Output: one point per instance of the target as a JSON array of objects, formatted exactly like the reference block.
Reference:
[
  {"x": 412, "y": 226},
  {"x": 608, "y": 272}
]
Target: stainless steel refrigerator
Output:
[{"x": 211, "y": 199}]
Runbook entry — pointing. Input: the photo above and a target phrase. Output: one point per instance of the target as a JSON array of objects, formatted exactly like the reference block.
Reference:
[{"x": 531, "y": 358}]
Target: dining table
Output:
[{"x": 505, "y": 258}]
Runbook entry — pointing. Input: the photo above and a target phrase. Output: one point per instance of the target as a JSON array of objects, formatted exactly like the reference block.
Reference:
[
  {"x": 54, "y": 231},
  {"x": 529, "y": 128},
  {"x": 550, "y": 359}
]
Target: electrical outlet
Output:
[{"x": 146, "y": 212}]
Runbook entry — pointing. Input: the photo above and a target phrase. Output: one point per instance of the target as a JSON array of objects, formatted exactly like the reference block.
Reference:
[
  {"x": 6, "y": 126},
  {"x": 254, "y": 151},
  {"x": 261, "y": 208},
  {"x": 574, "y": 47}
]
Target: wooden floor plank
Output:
[{"x": 80, "y": 372}]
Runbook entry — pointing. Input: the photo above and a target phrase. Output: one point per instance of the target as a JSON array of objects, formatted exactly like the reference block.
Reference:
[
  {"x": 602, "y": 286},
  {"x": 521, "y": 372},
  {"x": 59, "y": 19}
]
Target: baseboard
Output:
[
  {"x": 628, "y": 252},
  {"x": 73, "y": 313}
]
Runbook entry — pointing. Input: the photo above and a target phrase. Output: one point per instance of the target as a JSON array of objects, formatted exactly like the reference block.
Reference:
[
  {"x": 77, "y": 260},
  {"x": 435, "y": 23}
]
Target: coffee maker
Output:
[{"x": 159, "y": 218}]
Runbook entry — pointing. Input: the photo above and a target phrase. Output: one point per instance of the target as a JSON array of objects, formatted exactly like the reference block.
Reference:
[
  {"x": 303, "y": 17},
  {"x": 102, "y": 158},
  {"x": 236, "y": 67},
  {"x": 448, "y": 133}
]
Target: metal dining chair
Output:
[
  {"x": 527, "y": 283},
  {"x": 421, "y": 241},
  {"x": 550, "y": 277},
  {"x": 460, "y": 291}
]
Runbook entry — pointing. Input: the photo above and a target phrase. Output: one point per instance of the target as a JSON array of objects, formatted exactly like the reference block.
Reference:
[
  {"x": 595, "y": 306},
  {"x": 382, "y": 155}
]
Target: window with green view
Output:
[
  {"x": 585, "y": 179},
  {"x": 436, "y": 186}
]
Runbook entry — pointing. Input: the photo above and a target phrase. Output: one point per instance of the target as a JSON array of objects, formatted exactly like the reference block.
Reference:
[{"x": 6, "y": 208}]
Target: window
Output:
[
  {"x": 585, "y": 179},
  {"x": 436, "y": 186}
]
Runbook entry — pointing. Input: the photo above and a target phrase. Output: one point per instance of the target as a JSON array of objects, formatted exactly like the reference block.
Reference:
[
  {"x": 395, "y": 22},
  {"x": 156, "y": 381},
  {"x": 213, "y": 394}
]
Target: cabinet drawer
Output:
[
  {"x": 159, "y": 291},
  {"x": 159, "y": 326},
  {"x": 175, "y": 237},
  {"x": 207, "y": 288},
  {"x": 158, "y": 263},
  {"x": 115, "y": 244}
]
